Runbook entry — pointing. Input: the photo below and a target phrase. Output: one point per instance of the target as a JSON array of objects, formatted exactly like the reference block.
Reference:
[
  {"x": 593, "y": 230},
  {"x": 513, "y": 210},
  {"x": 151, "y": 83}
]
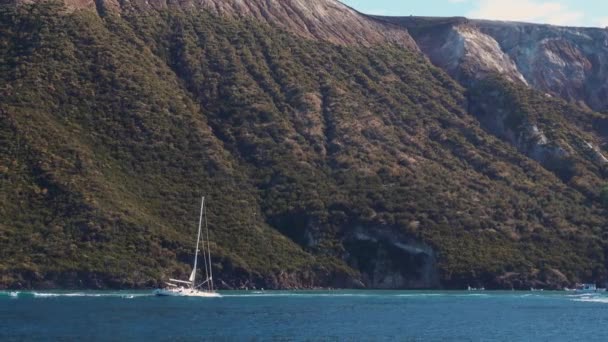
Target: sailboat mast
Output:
[
  {"x": 198, "y": 239},
  {"x": 200, "y": 223},
  {"x": 209, "y": 254}
]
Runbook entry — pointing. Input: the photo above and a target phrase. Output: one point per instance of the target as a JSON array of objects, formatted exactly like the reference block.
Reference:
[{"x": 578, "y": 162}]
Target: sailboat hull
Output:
[{"x": 184, "y": 292}]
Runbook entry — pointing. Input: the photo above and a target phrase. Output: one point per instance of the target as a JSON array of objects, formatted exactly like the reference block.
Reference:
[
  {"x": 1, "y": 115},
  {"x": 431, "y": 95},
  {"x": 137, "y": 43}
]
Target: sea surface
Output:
[{"x": 304, "y": 316}]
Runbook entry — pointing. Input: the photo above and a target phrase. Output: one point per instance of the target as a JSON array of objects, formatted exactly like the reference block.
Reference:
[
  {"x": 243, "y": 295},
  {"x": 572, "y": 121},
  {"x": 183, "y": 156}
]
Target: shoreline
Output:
[{"x": 319, "y": 290}]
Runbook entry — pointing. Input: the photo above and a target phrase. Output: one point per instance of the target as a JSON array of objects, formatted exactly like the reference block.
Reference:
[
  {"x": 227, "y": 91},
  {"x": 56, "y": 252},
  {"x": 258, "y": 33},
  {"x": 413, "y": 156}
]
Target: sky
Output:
[{"x": 557, "y": 12}]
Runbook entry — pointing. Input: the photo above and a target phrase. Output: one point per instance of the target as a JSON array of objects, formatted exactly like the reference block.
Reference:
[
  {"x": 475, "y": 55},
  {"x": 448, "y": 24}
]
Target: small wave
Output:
[
  {"x": 84, "y": 294},
  {"x": 44, "y": 295},
  {"x": 303, "y": 295},
  {"x": 11, "y": 294},
  {"x": 348, "y": 295},
  {"x": 536, "y": 295},
  {"x": 421, "y": 295},
  {"x": 584, "y": 295},
  {"x": 592, "y": 300},
  {"x": 474, "y": 295}
]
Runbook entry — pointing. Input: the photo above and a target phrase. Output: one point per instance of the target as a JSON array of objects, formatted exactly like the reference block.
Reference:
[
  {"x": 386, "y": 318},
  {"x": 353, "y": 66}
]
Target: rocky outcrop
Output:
[
  {"x": 549, "y": 279},
  {"x": 567, "y": 62},
  {"x": 388, "y": 260},
  {"x": 501, "y": 114},
  {"x": 563, "y": 61},
  {"x": 496, "y": 116},
  {"x": 461, "y": 49},
  {"x": 571, "y": 63},
  {"x": 384, "y": 257}
]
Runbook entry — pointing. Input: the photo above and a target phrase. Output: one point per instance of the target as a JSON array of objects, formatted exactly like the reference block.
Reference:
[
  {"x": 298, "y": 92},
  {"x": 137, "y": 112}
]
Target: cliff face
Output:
[
  {"x": 560, "y": 62},
  {"x": 460, "y": 48},
  {"x": 566, "y": 62}
]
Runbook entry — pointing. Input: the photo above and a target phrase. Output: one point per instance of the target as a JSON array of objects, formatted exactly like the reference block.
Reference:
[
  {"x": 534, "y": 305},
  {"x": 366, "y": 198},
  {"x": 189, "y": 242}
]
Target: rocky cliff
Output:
[
  {"x": 566, "y": 62},
  {"x": 557, "y": 62}
]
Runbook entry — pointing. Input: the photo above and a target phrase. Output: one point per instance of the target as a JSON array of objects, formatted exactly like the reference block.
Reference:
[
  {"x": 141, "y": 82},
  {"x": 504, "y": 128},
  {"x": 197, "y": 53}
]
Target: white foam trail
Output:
[
  {"x": 346, "y": 295},
  {"x": 83, "y": 294},
  {"x": 592, "y": 300},
  {"x": 45, "y": 295},
  {"x": 304, "y": 295}
]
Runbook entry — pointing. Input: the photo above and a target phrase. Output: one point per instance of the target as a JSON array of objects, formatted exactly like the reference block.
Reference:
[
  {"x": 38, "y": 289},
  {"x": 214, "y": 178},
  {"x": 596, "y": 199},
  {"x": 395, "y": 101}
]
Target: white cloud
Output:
[{"x": 549, "y": 12}]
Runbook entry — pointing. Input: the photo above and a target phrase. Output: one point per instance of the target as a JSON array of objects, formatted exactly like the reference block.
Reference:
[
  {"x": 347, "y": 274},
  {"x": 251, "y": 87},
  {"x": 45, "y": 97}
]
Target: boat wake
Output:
[
  {"x": 591, "y": 299},
  {"x": 35, "y": 294},
  {"x": 347, "y": 295},
  {"x": 303, "y": 295}
]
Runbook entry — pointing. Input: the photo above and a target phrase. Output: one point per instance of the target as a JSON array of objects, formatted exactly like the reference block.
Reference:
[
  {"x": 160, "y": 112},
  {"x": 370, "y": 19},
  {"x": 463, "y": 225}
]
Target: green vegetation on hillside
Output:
[
  {"x": 573, "y": 150},
  {"x": 112, "y": 127}
]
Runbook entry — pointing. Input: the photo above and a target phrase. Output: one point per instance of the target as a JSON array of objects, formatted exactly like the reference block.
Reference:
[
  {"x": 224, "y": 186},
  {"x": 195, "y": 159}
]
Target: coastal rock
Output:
[
  {"x": 546, "y": 279},
  {"x": 388, "y": 260}
]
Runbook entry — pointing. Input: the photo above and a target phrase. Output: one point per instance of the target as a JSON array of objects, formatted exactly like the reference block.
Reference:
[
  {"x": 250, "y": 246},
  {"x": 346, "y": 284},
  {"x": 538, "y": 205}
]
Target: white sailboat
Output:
[{"x": 189, "y": 288}]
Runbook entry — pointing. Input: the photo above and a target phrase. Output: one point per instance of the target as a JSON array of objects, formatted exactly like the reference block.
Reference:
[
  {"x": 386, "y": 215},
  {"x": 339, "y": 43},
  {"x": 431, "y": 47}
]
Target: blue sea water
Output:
[{"x": 305, "y": 316}]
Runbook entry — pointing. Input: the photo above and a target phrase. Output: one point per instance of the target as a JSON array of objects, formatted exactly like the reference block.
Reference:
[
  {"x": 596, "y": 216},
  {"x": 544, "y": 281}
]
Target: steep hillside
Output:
[
  {"x": 325, "y": 164},
  {"x": 566, "y": 139},
  {"x": 326, "y": 20},
  {"x": 566, "y": 62},
  {"x": 104, "y": 155}
]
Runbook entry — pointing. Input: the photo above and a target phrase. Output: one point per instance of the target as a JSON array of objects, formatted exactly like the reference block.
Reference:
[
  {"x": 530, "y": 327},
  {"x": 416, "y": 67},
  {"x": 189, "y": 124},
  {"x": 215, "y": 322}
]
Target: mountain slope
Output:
[
  {"x": 94, "y": 156},
  {"x": 324, "y": 164},
  {"x": 326, "y": 20},
  {"x": 533, "y": 122},
  {"x": 566, "y": 62}
]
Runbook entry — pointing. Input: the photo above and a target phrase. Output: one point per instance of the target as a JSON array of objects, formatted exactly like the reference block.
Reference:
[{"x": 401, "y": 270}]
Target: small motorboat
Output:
[{"x": 586, "y": 288}]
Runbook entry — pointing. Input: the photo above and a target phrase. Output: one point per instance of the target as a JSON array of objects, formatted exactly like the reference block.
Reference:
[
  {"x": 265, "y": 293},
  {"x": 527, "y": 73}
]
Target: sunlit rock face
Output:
[
  {"x": 465, "y": 52},
  {"x": 567, "y": 62},
  {"x": 563, "y": 61}
]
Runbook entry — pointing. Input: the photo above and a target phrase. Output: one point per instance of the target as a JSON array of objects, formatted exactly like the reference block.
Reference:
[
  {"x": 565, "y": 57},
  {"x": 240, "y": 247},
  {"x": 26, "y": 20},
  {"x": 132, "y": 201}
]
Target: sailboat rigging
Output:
[{"x": 189, "y": 288}]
